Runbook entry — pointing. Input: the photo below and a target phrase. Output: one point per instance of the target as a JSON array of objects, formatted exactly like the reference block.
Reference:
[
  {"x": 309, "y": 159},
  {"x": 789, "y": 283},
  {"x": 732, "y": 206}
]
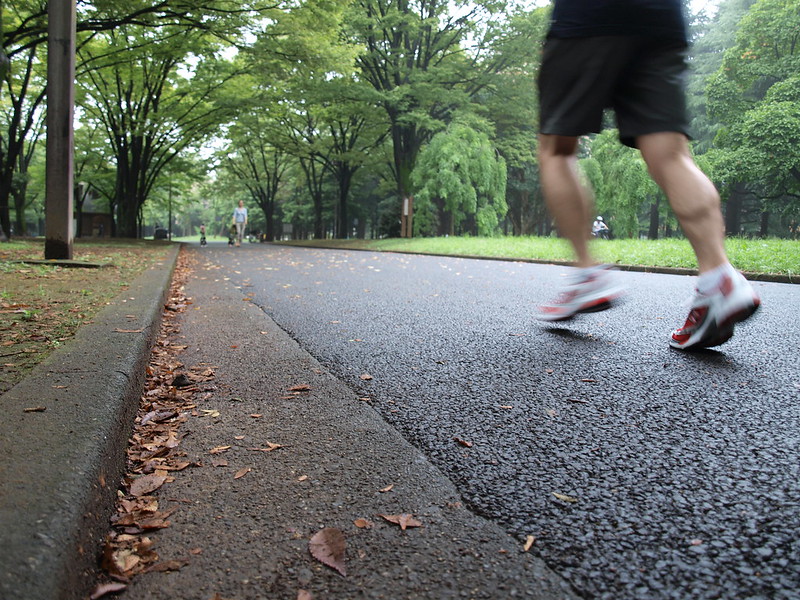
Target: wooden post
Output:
[{"x": 60, "y": 134}]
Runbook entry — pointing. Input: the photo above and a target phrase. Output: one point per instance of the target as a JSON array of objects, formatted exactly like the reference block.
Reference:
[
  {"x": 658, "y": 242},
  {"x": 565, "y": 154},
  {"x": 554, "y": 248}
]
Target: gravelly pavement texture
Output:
[
  {"x": 247, "y": 538},
  {"x": 642, "y": 471}
]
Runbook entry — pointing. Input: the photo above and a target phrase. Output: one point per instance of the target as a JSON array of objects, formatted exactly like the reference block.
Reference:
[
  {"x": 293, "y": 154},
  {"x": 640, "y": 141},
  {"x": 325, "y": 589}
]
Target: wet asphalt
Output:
[{"x": 641, "y": 471}]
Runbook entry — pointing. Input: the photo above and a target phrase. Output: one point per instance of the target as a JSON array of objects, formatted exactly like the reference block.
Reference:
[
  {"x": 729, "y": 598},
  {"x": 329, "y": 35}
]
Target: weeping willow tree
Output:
[{"x": 460, "y": 184}]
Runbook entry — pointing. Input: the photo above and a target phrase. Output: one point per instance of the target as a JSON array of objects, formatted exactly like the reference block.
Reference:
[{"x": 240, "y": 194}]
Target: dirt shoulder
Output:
[{"x": 43, "y": 304}]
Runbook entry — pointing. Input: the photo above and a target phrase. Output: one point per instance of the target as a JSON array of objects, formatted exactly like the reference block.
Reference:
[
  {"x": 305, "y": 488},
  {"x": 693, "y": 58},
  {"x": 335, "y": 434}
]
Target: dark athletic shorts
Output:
[{"x": 641, "y": 79}]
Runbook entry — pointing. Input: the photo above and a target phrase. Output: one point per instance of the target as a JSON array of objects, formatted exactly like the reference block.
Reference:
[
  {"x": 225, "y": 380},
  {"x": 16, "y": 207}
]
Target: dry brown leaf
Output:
[
  {"x": 167, "y": 565},
  {"x": 106, "y": 588},
  {"x": 565, "y": 498},
  {"x": 35, "y": 409},
  {"x": 242, "y": 472},
  {"x": 270, "y": 447},
  {"x": 464, "y": 443},
  {"x": 219, "y": 449},
  {"x": 404, "y": 520},
  {"x": 303, "y": 387},
  {"x": 147, "y": 484},
  {"x": 328, "y": 547},
  {"x": 388, "y": 488},
  {"x": 528, "y": 543},
  {"x": 366, "y": 377},
  {"x": 363, "y": 524}
]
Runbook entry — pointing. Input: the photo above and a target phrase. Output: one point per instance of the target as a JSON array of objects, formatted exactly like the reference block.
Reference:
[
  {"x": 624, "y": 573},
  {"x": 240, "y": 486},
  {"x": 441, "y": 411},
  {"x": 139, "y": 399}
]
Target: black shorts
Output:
[{"x": 641, "y": 79}]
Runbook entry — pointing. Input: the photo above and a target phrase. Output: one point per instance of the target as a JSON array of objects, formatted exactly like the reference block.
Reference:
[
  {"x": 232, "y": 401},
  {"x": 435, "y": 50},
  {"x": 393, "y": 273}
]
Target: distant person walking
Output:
[
  {"x": 240, "y": 221},
  {"x": 629, "y": 55}
]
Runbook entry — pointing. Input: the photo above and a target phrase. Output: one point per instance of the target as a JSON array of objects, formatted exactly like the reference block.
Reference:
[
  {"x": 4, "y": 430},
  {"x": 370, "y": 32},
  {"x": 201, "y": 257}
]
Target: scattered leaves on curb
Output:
[
  {"x": 404, "y": 521},
  {"x": 328, "y": 547}
]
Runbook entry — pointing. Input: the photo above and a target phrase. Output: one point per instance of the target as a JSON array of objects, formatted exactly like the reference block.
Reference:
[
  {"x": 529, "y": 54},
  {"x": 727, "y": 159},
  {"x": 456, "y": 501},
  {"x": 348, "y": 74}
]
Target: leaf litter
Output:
[{"x": 154, "y": 451}]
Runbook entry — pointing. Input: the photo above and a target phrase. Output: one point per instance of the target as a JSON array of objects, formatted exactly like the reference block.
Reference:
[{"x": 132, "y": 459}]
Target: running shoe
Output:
[
  {"x": 712, "y": 316},
  {"x": 590, "y": 290}
]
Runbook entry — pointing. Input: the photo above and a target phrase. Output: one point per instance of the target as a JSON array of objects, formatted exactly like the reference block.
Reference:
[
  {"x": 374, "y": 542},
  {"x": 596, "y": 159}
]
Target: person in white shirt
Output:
[{"x": 240, "y": 221}]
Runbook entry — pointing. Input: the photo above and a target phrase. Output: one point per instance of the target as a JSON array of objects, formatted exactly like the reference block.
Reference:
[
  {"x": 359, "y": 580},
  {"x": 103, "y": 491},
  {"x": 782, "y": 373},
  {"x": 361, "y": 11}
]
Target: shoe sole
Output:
[{"x": 602, "y": 305}]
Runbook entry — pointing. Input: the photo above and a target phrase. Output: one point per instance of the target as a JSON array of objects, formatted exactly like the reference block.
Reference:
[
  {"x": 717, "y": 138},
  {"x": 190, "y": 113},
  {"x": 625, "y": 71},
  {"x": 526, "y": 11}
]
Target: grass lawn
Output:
[{"x": 769, "y": 256}]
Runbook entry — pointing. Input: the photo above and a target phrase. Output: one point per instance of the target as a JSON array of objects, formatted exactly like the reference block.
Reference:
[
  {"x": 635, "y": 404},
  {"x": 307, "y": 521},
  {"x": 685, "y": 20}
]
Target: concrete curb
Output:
[{"x": 61, "y": 464}]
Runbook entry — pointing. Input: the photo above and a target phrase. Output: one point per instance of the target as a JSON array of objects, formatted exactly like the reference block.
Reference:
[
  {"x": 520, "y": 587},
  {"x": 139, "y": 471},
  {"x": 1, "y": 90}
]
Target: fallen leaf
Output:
[
  {"x": 35, "y": 409},
  {"x": 366, "y": 377},
  {"x": 404, "y": 520},
  {"x": 167, "y": 565},
  {"x": 270, "y": 447},
  {"x": 506, "y": 406},
  {"x": 106, "y": 588},
  {"x": 147, "y": 484},
  {"x": 565, "y": 498},
  {"x": 304, "y": 595},
  {"x": 577, "y": 401},
  {"x": 463, "y": 442},
  {"x": 302, "y": 478},
  {"x": 210, "y": 413},
  {"x": 256, "y": 416},
  {"x": 388, "y": 488},
  {"x": 589, "y": 380},
  {"x": 219, "y": 449},
  {"x": 549, "y": 371},
  {"x": 363, "y": 524},
  {"x": 303, "y": 387},
  {"x": 328, "y": 547},
  {"x": 242, "y": 472},
  {"x": 528, "y": 543}
]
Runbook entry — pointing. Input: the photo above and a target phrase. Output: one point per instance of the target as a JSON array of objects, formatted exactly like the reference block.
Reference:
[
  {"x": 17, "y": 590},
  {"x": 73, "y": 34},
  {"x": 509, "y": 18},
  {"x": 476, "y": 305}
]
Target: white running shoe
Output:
[
  {"x": 590, "y": 290},
  {"x": 712, "y": 316}
]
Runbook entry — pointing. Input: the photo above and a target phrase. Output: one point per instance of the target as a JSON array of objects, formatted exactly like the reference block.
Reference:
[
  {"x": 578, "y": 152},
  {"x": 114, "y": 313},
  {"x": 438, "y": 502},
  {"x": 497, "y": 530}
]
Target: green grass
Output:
[{"x": 769, "y": 256}]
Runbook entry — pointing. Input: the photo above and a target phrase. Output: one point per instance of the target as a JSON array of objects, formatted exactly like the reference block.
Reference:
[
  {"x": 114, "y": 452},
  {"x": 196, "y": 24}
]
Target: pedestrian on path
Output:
[
  {"x": 240, "y": 221},
  {"x": 629, "y": 55}
]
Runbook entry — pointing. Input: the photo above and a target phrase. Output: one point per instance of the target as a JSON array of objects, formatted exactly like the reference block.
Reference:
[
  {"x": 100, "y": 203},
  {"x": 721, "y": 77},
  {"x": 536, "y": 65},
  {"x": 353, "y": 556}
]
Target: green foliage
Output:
[
  {"x": 459, "y": 178},
  {"x": 621, "y": 182},
  {"x": 755, "y": 95}
]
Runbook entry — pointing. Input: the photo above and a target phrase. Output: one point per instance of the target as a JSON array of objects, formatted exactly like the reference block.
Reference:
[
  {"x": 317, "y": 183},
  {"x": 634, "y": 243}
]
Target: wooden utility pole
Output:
[{"x": 60, "y": 133}]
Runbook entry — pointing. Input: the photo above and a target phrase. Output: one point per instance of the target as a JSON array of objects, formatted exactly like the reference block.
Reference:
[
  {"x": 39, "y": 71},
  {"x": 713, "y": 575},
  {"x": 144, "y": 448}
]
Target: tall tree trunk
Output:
[
  {"x": 733, "y": 209},
  {"x": 764, "y": 228},
  {"x": 652, "y": 232}
]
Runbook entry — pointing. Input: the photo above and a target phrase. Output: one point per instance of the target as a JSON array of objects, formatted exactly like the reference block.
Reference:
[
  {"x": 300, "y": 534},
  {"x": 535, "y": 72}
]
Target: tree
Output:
[
  {"x": 149, "y": 110},
  {"x": 621, "y": 182},
  {"x": 754, "y": 96},
  {"x": 25, "y": 32},
  {"x": 459, "y": 184},
  {"x": 257, "y": 164},
  {"x": 417, "y": 59}
]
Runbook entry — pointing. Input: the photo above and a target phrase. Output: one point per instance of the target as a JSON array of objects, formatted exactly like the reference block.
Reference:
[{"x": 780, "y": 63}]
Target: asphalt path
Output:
[{"x": 641, "y": 471}]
